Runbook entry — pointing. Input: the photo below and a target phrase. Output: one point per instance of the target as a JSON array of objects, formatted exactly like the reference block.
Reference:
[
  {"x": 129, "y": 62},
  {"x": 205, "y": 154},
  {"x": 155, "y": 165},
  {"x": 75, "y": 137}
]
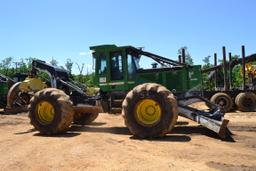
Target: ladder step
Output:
[
  {"x": 116, "y": 110},
  {"x": 118, "y": 100},
  {"x": 117, "y": 103}
]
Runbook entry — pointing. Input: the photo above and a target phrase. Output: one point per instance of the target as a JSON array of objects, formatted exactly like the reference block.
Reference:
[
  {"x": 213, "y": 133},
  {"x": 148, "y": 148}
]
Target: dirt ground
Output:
[{"x": 107, "y": 145}]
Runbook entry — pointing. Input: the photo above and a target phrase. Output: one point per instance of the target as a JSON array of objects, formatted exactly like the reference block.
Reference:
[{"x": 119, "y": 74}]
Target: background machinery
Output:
[
  {"x": 225, "y": 94},
  {"x": 42, "y": 75},
  {"x": 5, "y": 84},
  {"x": 149, "y": 99}
]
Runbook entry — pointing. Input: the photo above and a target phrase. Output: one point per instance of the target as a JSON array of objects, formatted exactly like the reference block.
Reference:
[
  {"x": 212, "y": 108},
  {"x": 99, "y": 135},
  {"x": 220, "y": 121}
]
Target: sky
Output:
[{"x": 62, "y": 29}]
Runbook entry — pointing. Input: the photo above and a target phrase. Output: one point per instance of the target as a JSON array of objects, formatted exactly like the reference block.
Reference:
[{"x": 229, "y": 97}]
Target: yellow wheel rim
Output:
[
  {"x": 45, "y": 112},
  {"x": 148, "y": 112}
]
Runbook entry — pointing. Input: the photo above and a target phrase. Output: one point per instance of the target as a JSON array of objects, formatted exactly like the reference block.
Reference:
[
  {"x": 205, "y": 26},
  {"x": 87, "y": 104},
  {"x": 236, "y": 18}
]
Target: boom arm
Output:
[
  {"x": 53, "y": 72},
  {"x": 56, "y": 74},
  {"x": 159, "y": 59}
]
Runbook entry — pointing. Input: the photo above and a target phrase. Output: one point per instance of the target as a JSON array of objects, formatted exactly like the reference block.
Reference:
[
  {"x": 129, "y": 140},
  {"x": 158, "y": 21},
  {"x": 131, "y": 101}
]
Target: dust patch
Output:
[
  {"x": 242, "y": 128},
  {"x": 230, "y": 167},
  {"x": 13, "y": 119}
]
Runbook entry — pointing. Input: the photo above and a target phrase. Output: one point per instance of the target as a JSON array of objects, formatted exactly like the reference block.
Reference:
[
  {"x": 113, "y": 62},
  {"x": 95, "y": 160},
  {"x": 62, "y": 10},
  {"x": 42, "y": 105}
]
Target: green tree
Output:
[
  {"x": 54, "y": 62},
  {"x": 207, "y": 84},
  {"x": 5, "y": 66},
  {"x": 206, "y": 62},
  {"x": 69, "y": 65},
  {"x": 236, "y": 72},
  {"x": 237, "y": 76},
  {"x": 80, "y": 76},
  {"x": 29, "y": 62},
  {"x": 7, "y": 62},
  {"x": 23, "y": 68}
]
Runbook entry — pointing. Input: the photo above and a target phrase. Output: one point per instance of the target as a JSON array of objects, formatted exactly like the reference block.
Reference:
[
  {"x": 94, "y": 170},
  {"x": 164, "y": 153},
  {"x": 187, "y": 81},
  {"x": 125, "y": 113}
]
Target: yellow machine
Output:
[
  {"x": 32, "y": 84},
  {"x": 20, "y": 93}
]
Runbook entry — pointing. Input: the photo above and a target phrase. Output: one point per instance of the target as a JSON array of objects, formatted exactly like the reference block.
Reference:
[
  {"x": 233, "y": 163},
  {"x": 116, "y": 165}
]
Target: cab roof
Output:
[{"x": 108, "y": 46}]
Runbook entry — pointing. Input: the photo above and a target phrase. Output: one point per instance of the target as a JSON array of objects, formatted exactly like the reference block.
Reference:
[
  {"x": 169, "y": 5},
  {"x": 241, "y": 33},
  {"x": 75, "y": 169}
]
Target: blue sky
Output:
[{"x": 65, "y": 29}]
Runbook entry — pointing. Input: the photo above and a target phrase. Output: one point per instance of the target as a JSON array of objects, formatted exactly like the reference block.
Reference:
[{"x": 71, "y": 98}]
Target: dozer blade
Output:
[{"x": 217, "y": 124}]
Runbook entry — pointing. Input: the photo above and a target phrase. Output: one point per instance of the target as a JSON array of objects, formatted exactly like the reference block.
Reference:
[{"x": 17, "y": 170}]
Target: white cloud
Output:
[
  {"x": 82, "y": 53},
  {"x": 85, "y": 53}
]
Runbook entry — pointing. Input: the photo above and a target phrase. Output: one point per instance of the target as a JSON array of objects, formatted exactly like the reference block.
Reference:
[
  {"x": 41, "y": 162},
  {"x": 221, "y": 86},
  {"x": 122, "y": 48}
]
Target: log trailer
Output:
[
  {"x": 150, "y": 100},
  {"x": 226, "y": 95}
]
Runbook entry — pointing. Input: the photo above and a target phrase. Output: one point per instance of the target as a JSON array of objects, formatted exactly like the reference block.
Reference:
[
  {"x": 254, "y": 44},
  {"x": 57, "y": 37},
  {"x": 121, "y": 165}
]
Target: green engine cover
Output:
[{"x": 184, "y": 79}]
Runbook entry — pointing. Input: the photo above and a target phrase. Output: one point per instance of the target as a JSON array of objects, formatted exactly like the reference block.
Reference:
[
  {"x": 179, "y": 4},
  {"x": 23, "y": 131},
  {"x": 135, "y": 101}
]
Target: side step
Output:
[
  {"x": 116, "y": 110},
  {"x": 116, "y": 104}
]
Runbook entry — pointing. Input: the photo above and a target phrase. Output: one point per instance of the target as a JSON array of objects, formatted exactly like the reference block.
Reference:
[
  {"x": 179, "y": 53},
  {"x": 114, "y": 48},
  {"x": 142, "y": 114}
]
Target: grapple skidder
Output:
[{"x": 150, "y": 99}]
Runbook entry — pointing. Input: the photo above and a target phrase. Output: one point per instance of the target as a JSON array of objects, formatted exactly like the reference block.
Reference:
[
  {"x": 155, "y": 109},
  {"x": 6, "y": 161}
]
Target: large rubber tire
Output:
[
  {"x": 63, "y": 111},
  {"x": 85, "y": 119},
  {"x": 246, "y": 102},
  {"x": 166, "y": 101},
  {"x": 223, "y": 100},
  {"x": 16, "y": 101}
]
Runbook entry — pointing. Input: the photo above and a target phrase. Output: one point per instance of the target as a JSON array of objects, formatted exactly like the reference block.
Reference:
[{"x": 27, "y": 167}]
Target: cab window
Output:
[
  {"x": 131, "y": 66},
  {"x": 102, "y": 65},
  {"x": 116, "y": 66}
]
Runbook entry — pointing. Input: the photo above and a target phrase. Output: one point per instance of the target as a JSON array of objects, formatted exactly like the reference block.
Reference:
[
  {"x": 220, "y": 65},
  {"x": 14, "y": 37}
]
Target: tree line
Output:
[{"x": 9, "y": 67}]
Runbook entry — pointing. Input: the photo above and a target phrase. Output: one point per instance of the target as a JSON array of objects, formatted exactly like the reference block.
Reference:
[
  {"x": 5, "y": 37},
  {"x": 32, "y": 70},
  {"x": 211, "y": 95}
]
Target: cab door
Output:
[
  {"x": 102, "y": 70},
  {"x": 117, "y": 71},
  {"x": 131, "y": 69}
]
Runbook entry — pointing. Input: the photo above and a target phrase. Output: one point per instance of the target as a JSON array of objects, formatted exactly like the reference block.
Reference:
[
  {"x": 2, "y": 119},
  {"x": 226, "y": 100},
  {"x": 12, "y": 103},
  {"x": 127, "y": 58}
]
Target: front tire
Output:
[
  {"x": 149, "y": 110},
  {"x": 50, "y": 111}
]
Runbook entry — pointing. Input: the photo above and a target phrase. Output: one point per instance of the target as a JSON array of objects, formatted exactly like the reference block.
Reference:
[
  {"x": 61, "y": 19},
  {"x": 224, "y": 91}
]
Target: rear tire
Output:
[
  {"x": 16, "y": 101},
  {"x": 246, "y": 102},
  {"x": 149, "y": 110},
  {"x": 223, "y": 100},
  {"x": 50, "y": 111}
]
